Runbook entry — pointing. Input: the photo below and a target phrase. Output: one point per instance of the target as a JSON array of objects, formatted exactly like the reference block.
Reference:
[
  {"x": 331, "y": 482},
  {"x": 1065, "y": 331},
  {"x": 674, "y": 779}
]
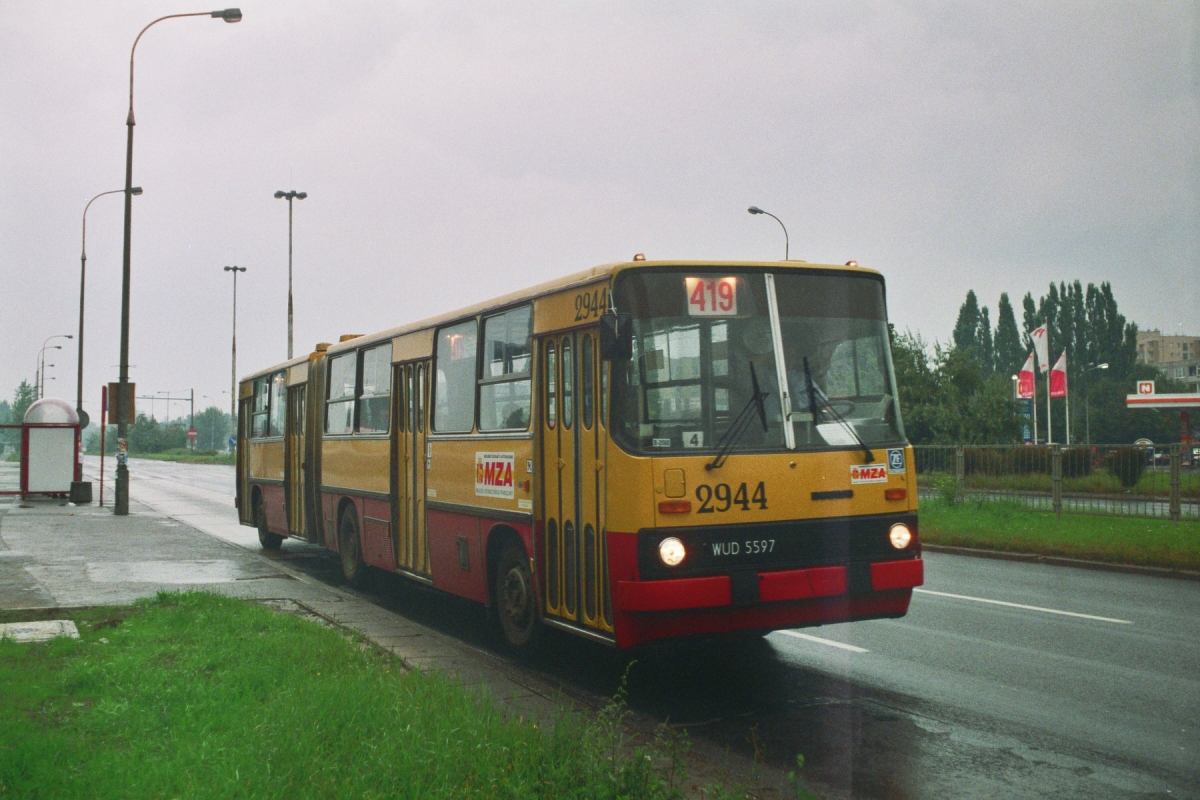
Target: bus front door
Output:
[{"x": 572, "y": 479}]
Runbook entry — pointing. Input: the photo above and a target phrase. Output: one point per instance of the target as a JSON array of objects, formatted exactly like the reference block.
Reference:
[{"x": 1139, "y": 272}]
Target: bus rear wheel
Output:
[
  {"x": 516, "y": 604},
  {"x": 268, "y": 540},
  {"x": 354, "y": 569}
]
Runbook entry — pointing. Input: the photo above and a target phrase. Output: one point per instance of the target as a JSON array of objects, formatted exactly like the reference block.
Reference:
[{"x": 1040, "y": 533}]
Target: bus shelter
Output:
[{"x": 49, "y": 449}]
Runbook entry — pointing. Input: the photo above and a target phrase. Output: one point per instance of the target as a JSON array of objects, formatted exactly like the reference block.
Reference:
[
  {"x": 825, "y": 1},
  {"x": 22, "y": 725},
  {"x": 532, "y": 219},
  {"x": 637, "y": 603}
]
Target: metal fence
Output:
[{"x": 1126, "y": 480}]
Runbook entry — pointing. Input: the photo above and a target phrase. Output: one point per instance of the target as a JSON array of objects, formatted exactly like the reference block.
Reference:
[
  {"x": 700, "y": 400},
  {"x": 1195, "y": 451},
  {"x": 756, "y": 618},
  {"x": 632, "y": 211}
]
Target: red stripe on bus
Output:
[{"x": 897, "y": 574}]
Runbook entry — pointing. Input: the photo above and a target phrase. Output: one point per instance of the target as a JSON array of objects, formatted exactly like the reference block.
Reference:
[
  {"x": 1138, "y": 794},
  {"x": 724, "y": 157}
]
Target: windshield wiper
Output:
[
  {"x": 741, "y": 422},
  {"x": 815, "y": 410}
]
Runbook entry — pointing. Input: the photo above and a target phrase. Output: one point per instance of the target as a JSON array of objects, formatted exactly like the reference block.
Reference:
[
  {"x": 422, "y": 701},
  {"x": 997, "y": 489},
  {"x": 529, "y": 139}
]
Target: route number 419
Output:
[{"x": 711, "y": 297}]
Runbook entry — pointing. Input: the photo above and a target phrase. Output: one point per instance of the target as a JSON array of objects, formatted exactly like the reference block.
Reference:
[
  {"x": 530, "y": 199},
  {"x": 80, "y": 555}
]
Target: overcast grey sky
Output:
[{"x": 456, "y": 151}]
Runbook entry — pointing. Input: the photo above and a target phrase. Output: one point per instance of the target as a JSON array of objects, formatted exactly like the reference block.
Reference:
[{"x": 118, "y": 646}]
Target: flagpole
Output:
[
  {"x": 1033, "y": 404},
  {"x": 1067, "y": 400}
]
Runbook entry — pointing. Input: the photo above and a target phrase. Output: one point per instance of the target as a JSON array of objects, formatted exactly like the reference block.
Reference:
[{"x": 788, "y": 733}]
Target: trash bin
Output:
[{"x": 50, "y": 451}]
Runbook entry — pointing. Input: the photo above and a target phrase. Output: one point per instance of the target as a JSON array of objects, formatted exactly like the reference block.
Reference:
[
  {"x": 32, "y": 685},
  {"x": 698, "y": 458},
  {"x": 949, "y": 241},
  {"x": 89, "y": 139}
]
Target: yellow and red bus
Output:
[{"x": 639, "y": 451}]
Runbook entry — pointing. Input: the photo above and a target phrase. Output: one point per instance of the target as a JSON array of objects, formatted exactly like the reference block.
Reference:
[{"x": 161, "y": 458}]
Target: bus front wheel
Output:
[
  {"x": 516, "y": 604},
  {"x": 354, "y": 570}
]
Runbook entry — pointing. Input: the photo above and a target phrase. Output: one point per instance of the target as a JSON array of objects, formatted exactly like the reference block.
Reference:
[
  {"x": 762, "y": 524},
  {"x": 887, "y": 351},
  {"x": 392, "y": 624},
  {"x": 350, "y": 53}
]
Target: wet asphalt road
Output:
[{"x": 961, "y": 698}]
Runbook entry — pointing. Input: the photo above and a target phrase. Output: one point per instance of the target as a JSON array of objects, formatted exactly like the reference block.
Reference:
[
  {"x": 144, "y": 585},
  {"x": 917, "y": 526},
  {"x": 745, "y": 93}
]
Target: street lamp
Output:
[
  {"x": 121, "y": 505},
  {"x": 757, "y": 210},
  {"x": 290, "y": 196},
  {"x": 1087, "y": 399},
  {"x": 39, "y": 382},
  {"x": 83, "y": 418},
  {"x": 233, "y": 364}
]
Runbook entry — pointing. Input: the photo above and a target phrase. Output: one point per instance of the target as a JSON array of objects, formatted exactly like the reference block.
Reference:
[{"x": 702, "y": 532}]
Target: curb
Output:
[{"x": 1062, "y": 561}]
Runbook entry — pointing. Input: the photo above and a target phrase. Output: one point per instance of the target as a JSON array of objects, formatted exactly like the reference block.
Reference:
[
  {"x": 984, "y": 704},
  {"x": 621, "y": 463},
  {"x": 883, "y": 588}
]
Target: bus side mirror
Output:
[{"x": 616, "y": 337}]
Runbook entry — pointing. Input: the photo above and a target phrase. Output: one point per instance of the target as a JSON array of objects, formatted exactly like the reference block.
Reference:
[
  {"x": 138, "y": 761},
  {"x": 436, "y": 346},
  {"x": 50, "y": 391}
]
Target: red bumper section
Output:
[{"x": 703, "y": 605}]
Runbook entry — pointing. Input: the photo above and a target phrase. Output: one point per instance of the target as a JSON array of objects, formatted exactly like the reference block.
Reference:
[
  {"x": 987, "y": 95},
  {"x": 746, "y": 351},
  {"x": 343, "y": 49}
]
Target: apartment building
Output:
[{"x": 1177, "y": 356}]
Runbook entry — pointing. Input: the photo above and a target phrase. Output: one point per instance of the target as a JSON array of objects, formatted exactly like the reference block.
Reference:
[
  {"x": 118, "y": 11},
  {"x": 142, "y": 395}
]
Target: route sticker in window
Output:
[
  {"x": 868, "y": 473},
  {"x": 494, "y": 475},
  {"x": 711, "y": 297},
  {"x": 693, "y": 438}
]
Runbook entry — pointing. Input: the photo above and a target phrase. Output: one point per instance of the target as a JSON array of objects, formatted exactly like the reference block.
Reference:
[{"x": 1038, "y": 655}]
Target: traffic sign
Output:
[
  {"x": 192, "y": 433},
  {"x": 232, "y": 441}
]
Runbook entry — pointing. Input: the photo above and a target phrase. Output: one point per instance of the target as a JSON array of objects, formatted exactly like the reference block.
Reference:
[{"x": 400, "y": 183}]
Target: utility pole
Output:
[
  {"x": 233, "y": 364},
  {"x": 289, "y": 196}
]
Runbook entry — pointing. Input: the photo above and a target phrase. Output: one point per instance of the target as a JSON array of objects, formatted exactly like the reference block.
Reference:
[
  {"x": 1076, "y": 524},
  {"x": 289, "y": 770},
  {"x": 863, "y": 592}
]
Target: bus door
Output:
[
  {"x": 245, "y": 511},
  {"x": 572, "y": 478},
  {"x": 410, "y": 458},
  {"x": 294, "y": 464}
]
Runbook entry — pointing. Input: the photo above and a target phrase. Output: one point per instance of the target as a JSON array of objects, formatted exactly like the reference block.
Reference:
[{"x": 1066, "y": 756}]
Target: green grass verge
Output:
[
  {"x": 196, "y": 695},
  {"x": 1015, "y": 528},
  {"x": 188, "y": 456},
  {"x": 1151, "y": 483}
]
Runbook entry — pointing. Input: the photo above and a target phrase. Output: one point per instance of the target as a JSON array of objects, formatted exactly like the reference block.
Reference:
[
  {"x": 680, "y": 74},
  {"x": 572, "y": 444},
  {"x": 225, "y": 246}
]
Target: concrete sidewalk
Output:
[{"x": 54, "y": 556}]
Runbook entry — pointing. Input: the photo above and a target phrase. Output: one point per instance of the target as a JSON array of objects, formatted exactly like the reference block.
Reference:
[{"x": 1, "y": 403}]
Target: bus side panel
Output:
[
  {"x": 376, "y": 533},
  {"x": 275, "y": 507},
  {"x": 455, "y": 557},
  {"x": 329, "y": 507}
]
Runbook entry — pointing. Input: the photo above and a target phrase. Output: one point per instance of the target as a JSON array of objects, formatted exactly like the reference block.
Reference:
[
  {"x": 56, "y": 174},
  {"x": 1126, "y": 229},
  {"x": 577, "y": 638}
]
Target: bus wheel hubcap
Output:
[{"x": 516, "y": 596}]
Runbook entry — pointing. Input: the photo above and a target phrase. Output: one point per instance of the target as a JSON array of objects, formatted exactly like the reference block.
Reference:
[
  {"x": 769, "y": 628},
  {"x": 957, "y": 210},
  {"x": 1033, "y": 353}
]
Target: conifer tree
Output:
[
  {"x": 1010, "y": 352},
  {"x": 967, "y": 327}
]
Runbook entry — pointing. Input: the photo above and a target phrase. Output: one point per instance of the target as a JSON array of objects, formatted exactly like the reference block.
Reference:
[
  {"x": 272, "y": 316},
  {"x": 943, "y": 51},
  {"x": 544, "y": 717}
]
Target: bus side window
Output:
[
  {"x": 568, "y": 390},
  {"x": 586, "y": 373},
  {"x": 261, "y": 408},
  {"x": 278, "y": 407},
  {"x": 375, "y": 391},
  {"x": 551, "y": 388},
  {"x": 339, "y": 406},
  {"x": 454, "y": 394},
  {"x": 505, "y": 388}
]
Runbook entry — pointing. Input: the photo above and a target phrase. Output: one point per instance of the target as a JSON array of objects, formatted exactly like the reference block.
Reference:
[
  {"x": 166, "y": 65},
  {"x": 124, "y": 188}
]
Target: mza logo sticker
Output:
[
  {"x": 494, "y": 475},
  {"x": 896, "y": 460},
  {"x": 868, "y": 473}
]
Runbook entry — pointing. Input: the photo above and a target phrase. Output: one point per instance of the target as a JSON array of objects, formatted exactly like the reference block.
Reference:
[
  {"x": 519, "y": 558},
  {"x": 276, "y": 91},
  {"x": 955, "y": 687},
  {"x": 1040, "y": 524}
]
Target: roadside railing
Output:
[{"x": 1125, "y": 480}]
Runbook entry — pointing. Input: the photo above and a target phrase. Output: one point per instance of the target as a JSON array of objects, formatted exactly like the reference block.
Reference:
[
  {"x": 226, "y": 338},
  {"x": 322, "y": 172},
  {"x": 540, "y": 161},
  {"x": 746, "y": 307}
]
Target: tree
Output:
[
  {"x": 22, "y": 399},
  {"x": 212, "y": 428},
  {"x": 1010, "y": 353},
  {"x": 984, "y": 346},
  {"x": 967, "y": 326}
]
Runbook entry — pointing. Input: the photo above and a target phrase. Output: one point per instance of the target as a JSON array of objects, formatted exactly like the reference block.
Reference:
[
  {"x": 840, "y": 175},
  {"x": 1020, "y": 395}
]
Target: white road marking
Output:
[
  {"x": 1027, "y": 608},
  {"x": 829, "y": 642}
]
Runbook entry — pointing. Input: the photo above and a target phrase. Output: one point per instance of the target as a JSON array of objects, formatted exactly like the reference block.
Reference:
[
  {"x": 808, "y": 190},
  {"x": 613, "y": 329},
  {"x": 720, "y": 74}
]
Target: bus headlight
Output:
[
  {"x": 900, "y": 536},
  {"x": 671, "y": 551}
]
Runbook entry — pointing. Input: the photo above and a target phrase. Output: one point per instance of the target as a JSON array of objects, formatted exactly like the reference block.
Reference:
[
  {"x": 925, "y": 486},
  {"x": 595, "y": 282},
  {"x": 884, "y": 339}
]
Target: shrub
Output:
[
  {"x": 947, "y": 489},
  {"x": 1127, "y": 463},
  {"x": 1077, "y": 462}
]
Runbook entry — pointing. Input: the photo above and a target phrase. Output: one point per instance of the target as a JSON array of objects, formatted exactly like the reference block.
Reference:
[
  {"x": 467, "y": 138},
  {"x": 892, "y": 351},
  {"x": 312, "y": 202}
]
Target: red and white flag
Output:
[
  {"x": 1025, "y": 379},
  {"x": 1058, "y": 377},
  {"x": 1041, "y": 346}
]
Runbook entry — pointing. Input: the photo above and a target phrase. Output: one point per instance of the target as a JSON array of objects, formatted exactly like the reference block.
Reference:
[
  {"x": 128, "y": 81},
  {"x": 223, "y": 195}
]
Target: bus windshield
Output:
[{"x": 696, "y": 333}]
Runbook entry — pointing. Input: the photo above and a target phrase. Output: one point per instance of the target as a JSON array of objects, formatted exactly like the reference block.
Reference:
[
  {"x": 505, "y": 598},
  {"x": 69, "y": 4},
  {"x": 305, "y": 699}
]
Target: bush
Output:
[
  {"x": 947, "y": 489},
  {"x": 1127, "y": 463},
  {"x": 1077, "y": 462}
]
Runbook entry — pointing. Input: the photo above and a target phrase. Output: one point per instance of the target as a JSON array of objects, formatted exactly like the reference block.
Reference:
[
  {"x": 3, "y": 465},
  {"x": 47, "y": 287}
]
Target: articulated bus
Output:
[{"x": 639, "y": 451}]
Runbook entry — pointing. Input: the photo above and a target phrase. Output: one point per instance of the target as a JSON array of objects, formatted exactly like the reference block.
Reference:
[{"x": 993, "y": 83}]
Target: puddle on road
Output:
[{"x": 170, "y": 572}]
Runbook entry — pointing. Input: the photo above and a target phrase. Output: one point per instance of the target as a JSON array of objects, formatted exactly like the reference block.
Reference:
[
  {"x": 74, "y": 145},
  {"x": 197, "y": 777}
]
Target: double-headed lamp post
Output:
[
  {"x": 290, "y": 196},
  {"x": 39, "y": 383},
  {"x": 233, "y": 364},
  {"x": 123, "y": 401},
  {"x": 1087, "y": 399},
  {"x": 136, "y": 190},
  {"x": 786, "y": 244}
]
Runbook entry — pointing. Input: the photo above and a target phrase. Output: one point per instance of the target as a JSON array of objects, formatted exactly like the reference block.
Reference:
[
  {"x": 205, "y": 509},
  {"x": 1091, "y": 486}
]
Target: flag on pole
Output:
[
  {"x": 1041, "y": 346},
  {"x": 1025, "y": 379},
  {"x": 1058, "y": 377}
]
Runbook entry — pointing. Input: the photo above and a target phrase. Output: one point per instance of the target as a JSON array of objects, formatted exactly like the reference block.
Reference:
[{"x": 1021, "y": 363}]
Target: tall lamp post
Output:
[
  {"x": 39, "y": 383},
  {"x": 121, "y": 504},
  {"x": 136, "y": 190},
  {"x": 233, "y": 364},
  {"x": 757, "y": 210},
  {"x": 290, "y": 196},
  {"x": 1087, "y": 399}
]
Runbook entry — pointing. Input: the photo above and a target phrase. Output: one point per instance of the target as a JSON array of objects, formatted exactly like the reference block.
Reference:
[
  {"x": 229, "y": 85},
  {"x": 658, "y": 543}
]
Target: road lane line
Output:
[
  {"x": 829, "y": 642},
  {"x": 1027, "y": 608}
]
